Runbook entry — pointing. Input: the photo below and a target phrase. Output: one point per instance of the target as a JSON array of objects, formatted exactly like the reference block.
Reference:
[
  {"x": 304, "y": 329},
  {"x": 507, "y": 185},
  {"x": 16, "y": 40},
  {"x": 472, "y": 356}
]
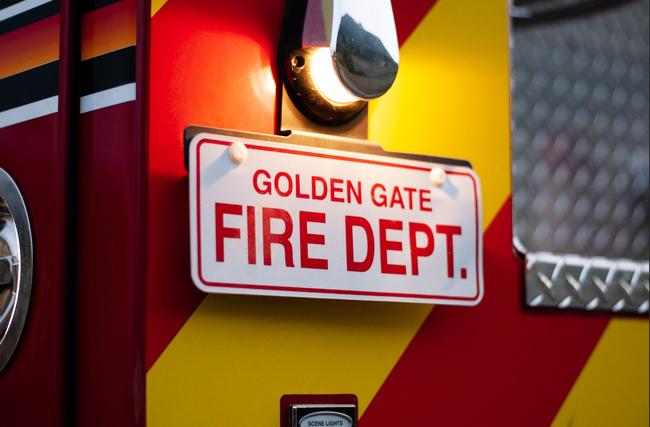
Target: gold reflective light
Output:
[{"x": 326, "y": 79}]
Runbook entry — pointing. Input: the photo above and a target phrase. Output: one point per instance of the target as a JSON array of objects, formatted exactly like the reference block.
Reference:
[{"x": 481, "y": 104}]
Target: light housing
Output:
[{"x": 340, "y": 54}]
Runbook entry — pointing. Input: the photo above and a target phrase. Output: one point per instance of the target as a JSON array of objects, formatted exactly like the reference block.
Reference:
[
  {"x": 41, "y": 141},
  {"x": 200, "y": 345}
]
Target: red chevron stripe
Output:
[
  {"x": 408, "y": 15},
  {"x": 203, "y": 36},
  {"x": 495, "y": 364}
]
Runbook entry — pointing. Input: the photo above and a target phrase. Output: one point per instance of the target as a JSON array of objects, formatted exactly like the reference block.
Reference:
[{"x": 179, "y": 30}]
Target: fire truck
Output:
[{"x": 324, "y": 213}]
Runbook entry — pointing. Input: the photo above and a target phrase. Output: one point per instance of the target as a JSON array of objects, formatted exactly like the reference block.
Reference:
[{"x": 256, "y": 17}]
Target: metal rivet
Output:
[
  {"x": 238, "y": 152},
  {"x": 438, "y": 176},
  {"x": 298, "y": 61}
]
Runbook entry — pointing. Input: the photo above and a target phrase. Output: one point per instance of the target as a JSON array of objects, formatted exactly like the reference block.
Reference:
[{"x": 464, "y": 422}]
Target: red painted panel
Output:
[
  {"x": 109, "y": 327},
  {"x": 111, "y": 237},
  {"x": 492, "y": 365},
  {"x": 32, "y": 385},
  {"x": 213, "y": 64}
]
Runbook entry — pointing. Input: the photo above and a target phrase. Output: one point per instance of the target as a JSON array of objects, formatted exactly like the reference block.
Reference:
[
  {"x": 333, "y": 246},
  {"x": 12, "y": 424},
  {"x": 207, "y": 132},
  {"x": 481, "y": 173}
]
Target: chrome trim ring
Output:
[{"x": 16, "y": 266}]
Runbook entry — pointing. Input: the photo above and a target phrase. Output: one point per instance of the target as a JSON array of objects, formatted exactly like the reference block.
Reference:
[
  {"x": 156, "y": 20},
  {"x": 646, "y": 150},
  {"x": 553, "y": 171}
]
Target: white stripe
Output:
[
  {"x": 108, "y": 97},
  {"x": 92, "y": 102},
  {"x": 29, "y": 111},
  {"x": 20, "y": 7}
]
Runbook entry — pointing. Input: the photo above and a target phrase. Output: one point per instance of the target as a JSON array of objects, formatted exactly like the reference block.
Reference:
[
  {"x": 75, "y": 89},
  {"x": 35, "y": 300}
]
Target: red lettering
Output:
[
  {"x": 300, "y": 194},
  {"x": 335, "y": 189},
  {"x": 386, "y": 245},
  {"x": 221, "y": 209},
  {"x": 382, "y": 197},
  {"x": 266, "y": 185},
  {"x": 314, "y": 193},
  {"x": 252, "y": 249},
  {"x": 424, "y": 200},
  {"x": 289, "y": 182},
  {"x": 396, "y": 198},
  {"x": 366, "y": 263},
  {"x": 282, "y": 239},
  {"x": 410, "y": 192},
  {"x": 449, "y": 231},
  {"x": 307, "y": 239},
  {"x": 356, "y": 192},
  {"x": 419, "y": 251}
]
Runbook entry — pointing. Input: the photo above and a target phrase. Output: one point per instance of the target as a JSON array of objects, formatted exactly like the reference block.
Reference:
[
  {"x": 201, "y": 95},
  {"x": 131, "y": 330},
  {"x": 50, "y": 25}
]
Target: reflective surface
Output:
[
  {"x": 15, "y": 266},
  {"x": 325, "y": 101},
  {"x": 580, "y": 159},
  {"x": 573, "y": 282},
  {"x": 362, "y": 40},
  {"x": 327, "y": 80},
  {"x": 580, "y": 134}
]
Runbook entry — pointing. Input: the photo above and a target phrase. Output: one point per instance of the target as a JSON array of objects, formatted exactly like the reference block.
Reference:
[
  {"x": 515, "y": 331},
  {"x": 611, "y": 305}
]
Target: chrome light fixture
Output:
[{"x": 344, "y": 53}]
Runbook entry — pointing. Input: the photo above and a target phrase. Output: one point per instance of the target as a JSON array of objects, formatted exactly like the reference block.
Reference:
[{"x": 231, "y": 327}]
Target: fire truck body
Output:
[{"x": 95, "y": 98}]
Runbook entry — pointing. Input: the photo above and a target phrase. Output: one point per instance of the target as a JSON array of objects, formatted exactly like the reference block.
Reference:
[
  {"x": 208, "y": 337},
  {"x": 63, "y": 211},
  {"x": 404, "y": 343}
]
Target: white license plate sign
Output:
[{"x": 294, "y": 220}]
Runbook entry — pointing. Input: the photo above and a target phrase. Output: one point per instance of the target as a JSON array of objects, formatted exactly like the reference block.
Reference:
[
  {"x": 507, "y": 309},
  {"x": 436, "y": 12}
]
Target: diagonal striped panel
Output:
[
  {"x": 496, "y": 354},
  {"x": 32, "y": 85},
  {"x": 171, "y": 43},
  {"x": 211, "y": 62},
  {"x": 612, "y": 389},
  {"x": 451, "y": 96},
  {"x": 19, "y": 8},
  {"x": 239, "y": 355},
  {"x": 106, "y": 80},
  {"x": 244, "y": 352},
  {"x": 104, "y": 30},
  {"x": 408, "y": 15},
  {"x": 6, "y": 3},
  {"x": 492, "y": 365},
  {"x": 109, "y": 28},
  {"x": 25, "y": 13},
  {"x": 29, "y": 47}
]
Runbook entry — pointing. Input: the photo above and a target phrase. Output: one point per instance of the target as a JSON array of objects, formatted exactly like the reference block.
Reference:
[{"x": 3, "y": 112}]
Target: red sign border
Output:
[{"x": 319, "y": 290}]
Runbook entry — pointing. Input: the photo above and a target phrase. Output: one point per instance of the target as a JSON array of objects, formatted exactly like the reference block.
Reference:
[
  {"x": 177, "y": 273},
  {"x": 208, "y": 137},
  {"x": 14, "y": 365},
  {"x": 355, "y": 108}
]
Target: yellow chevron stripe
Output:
[
  {"x": 612, "y": 389},
  {"x": 451, "y": 96},
  {"x": 236, "y": 356},
  {"x": 156, "y": 5}
]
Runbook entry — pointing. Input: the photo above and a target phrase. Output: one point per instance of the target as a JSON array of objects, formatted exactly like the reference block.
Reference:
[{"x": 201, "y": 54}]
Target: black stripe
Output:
[
  {"x": 86, "y": 5},
  {"x": 90, "y": 5},
  {"x": 43, "y": 11},
  {"x": 30, "y": 16},
  {"x": 29, "y": 86},
  {"x": 97, "y": 74},
  {"x": 7, "y": 3},
  {"x": 107, "y": 71}
]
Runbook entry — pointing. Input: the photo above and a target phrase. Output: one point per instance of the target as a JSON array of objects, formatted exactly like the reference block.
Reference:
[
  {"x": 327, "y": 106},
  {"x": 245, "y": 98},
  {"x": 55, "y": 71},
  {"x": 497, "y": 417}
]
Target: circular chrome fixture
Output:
[
  {"x": 340, "y": 54},
  {"x": 364, "y": 46},
  {"x": 16, "y": 266},
  {"x": 316, "y": 90}
]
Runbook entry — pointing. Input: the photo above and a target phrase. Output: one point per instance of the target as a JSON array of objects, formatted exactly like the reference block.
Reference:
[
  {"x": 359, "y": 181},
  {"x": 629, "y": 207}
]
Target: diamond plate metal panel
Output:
[
  {"x": 586, "y": 283},
  {"x": 580, "y": 142}
]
